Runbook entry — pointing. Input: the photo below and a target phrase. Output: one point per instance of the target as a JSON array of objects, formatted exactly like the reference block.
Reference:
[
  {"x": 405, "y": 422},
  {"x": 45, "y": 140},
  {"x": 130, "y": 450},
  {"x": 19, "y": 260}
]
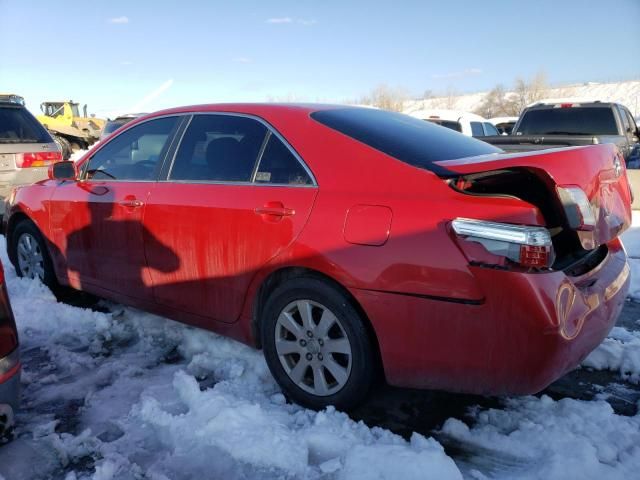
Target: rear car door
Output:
[
  {"x": 235, "y": 197},
  {"x": 96, "y": 222}
]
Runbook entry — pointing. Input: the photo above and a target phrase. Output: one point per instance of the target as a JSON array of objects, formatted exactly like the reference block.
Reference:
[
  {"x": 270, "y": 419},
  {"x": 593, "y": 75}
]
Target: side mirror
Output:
[{"x": 63, "y": 171}]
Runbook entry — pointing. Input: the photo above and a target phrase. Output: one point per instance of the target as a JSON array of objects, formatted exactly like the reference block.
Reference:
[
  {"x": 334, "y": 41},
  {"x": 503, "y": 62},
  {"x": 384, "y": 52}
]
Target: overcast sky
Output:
[{"x": 121, "y": 55}]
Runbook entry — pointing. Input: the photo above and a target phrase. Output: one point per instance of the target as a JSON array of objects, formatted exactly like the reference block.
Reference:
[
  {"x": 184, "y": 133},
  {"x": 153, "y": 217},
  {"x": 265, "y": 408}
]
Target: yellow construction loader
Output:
[{"x": 70, "y": 131}]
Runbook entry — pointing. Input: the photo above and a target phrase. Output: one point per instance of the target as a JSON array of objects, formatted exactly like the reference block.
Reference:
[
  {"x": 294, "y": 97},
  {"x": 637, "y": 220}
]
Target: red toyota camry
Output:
[{"x": 344, "y": 242}]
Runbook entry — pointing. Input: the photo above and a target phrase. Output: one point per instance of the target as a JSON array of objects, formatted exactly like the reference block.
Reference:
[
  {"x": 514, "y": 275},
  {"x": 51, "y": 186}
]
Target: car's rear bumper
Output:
[{"x": 529, "y": 330}]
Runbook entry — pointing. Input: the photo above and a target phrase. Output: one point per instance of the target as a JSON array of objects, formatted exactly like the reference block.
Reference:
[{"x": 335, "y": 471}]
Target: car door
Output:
[
  {"x": 96, "y": 222},
  {"x": 234, "y": 198}
]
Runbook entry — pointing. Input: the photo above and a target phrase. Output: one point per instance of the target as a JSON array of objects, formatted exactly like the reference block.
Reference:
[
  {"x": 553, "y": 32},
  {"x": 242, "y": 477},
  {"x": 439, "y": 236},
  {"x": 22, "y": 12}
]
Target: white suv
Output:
[{"x": 26, "y": 148}]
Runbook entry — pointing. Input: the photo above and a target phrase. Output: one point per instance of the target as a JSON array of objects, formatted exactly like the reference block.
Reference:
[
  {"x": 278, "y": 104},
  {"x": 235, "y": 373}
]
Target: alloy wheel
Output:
[
  {"x": 30, "y": 258},
  {"x": 313, "y": 347}
]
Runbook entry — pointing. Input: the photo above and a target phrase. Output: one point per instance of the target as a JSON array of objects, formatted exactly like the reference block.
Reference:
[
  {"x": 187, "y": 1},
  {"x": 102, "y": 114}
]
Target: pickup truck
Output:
[{"x": 554, "y": 124}]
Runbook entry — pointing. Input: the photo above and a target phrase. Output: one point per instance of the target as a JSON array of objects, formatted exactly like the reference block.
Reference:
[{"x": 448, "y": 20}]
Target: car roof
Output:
[
  {"x": 250, "y": 108},
  {"x": 444, "y": 114},
  {"x": 578, "y": 101},
  {"x": 496, "y": 120}
]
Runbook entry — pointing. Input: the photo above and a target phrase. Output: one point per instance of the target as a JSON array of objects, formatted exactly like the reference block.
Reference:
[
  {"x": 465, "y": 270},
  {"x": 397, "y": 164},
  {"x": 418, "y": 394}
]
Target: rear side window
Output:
[
  {"x": 476, "y": 129},
  {"x": 568, "y": 121},
  {"x": 219, "y": 148},
  {"x": 490, "y": 129},
  {"x": 135, "y": 154},
  {"x": 17, "y": 125},
  {"x": 279, "y": 165},
  {"x": 405, "y": 138}
]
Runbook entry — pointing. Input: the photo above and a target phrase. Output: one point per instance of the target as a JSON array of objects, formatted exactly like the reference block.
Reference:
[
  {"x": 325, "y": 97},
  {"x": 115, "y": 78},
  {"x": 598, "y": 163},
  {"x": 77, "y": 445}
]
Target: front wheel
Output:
[
  {"x": 29, "y": 254},
  {"x": 316, "y": 345}
]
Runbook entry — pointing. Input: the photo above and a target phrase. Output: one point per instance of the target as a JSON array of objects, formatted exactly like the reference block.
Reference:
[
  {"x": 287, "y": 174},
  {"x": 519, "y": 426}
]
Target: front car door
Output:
[
  {"x": 236, "y": 195},
  {"x": 96, "y": 222}
]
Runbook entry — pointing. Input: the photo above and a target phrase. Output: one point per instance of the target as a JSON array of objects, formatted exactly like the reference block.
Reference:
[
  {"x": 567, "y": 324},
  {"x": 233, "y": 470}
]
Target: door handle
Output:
[
  {"x": 131, "y": 203},
  {"x": 275, "y": 209}
]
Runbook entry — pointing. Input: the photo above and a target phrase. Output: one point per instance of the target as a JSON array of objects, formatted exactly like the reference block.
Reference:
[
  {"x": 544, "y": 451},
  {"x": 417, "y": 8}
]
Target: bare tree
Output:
[
  {"x": 386, "y": 97},
  {"x": 526, "y": 93},
  {"x": 496, "y": 103}
]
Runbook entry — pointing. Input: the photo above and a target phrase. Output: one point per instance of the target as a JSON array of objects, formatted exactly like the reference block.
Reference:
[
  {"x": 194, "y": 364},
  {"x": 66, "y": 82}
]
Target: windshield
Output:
[
  {"x": 408, "y": 139},
  {"x": 568, "y": 121},
  {"x": 17, "y": 125}
]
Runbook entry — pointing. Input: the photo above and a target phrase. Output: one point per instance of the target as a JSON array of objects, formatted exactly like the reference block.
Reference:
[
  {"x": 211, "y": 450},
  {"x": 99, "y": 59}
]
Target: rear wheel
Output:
[
  {"x": 316, "y": 345},
  {"x": 29, "y": 254}
]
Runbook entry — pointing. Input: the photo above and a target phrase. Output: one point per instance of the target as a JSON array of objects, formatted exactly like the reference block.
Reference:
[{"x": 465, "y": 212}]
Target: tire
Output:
[
  {"x": 27, "y": 265},
  {"x": 305, "y": 362},
  {"x": 63, "y": 145}
]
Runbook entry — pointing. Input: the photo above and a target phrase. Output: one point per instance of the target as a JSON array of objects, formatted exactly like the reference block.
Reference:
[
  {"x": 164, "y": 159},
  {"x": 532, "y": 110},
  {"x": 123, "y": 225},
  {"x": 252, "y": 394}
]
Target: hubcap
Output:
[
  {"x": 313, "y": 347},
  {"x": 30, "y": 258}
]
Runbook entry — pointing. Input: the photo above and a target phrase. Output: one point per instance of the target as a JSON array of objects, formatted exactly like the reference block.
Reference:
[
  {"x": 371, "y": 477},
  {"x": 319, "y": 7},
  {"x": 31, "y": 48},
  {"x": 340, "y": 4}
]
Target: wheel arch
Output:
[
  {"x": 284, "y": 274},
  {"x": 14, "y": 220}
]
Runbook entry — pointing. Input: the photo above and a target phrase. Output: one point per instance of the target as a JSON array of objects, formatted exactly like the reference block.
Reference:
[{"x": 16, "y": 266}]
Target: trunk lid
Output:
[{"x": 598, "y": 170}]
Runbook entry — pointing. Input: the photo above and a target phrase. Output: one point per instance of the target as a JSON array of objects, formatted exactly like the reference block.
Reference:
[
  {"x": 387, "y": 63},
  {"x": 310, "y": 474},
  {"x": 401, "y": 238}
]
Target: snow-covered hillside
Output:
[{"x": 627, "y": 93}]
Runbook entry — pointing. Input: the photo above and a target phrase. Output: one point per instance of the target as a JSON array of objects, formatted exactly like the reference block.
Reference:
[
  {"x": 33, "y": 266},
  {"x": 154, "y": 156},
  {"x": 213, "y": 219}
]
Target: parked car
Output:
[
  {"x": 466, "y": 123},
  {"x": 560, "y": 123},
  {"x": 504, "y": 124},
  {"x": 9, "y": 363},
  {"x": 112, "y": 125},
  {"x": 26, "y": 148},
  {"x": 343, "y": 241}
]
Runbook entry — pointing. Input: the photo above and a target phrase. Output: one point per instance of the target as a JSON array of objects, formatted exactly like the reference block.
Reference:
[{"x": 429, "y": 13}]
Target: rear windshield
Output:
[
  {"x": 113, "y": 125},
  {"x": 568, "y": 121},
  {"x": 446, "y": 123},
  {"x": 17, "y": 125},
  {"x": 408, "y": 139}
]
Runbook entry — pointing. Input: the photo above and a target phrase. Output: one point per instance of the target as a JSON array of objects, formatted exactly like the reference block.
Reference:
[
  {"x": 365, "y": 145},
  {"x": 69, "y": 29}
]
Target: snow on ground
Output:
[
  {"x": 133, "y": 395},
  {"x": 621, "y": 350},
  {"x": 129, "y": 395}
]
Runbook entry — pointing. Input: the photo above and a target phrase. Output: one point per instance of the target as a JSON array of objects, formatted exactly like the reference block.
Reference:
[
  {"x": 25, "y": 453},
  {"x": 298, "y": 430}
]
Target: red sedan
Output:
[
  {"x": 9, "y": 363},
  {"x": 344, "y": 242}
]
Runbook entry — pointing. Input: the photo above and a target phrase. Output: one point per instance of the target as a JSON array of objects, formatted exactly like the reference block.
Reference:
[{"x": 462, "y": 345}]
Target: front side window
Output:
[
  {"x": 135, "y": 154},
  {"x": 219, "y": 148},
  {"x": 476, "y": 129},
  {"x": 278, "y": 165}
]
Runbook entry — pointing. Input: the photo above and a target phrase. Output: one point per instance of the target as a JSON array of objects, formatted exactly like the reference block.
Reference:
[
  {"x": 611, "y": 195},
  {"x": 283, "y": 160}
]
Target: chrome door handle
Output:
[
  {"x": 275, "y": 211},
  {"x": 131, "y": 203}
]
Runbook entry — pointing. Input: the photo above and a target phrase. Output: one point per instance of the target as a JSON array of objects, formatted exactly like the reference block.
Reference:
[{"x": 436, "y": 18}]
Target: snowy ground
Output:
[{"x": 122, "y": 394}]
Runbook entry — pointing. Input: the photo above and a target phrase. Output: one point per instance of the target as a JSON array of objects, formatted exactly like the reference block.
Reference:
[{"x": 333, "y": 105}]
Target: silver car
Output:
[{"x": 26, "y": 148}]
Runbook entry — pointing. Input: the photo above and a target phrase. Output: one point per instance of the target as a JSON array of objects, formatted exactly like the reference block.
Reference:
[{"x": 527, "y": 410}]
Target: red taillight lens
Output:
[
  {"x": 535, "y": 256},
  {"x": 37, "y": 159},
  {"x": 529, "y": 246}
]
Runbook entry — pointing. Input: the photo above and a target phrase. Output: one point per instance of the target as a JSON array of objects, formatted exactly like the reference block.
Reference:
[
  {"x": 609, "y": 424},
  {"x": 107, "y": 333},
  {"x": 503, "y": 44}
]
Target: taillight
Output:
[
  {"x": 577, "y": 207},
  {"x": 526, "y": 245},
  {"x": 37, "y": 159}
]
